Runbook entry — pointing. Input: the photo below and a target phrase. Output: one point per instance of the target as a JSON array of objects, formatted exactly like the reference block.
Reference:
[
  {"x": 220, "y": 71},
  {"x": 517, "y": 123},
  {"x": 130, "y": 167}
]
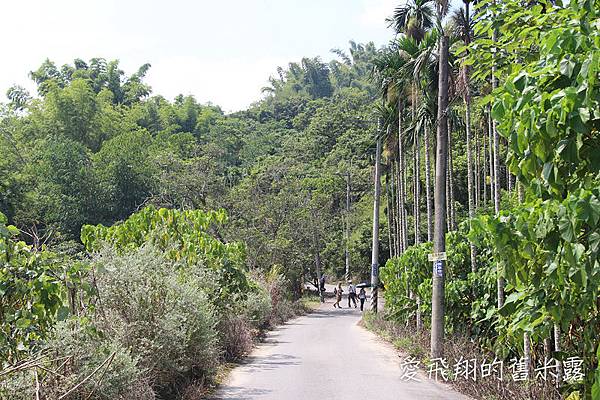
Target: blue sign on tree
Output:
[{"x": 438, "y": 268}]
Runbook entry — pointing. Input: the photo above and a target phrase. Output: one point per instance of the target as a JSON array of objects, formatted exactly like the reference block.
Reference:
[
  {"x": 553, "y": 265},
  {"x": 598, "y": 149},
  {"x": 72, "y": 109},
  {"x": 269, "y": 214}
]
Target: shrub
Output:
[
  {"x": 285, "y": 309},
  {"x": 257, "y": 308},
  {"x": 32, "y": 294},
  {"x": 160, "y": 312},
  {"x": 76, "y": 351},
  {"x": 182, "y": 236},
  {"x": 236, "y": 336}
]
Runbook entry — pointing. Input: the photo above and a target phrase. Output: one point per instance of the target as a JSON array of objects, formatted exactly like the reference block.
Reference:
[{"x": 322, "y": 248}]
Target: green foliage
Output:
[
  {"x": 403, "y": 275},
  {"x": 547, "y": 109},
  {"x": 408, "y": 277},
  {"x": 124, "y": 173},
  {"x": 32, "y": 293},
  {"x": 550, "y": 112},
  {"x": 160, "y": 313},
  {"x": 184, "y": 237}
]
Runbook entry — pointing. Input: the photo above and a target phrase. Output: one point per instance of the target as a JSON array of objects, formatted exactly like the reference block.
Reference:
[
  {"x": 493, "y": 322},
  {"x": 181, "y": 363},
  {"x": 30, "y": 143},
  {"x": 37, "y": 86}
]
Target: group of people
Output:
[{"x": 362, "y": 295}]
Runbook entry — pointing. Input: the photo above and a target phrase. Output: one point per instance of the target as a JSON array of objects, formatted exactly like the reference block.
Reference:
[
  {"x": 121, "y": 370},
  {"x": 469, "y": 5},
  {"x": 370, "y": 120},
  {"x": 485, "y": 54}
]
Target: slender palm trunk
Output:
[
  {"x": 395, "y": 213},
  {"x": 428, "y": 197},
  {"x": 469, "y": 150},
  {"x": 547, "y": 348},
  {"x": 469, "y": 140},
  {"x": 390, "y": 217},
  {"x": 439, "y": 239},
  {"x": 419, "y": 314},
  {"x": 448, "y": 212},
  {"x": 520, "y": 192},
  {"x": 497, "y": 180},
  {"x": 375, "y": 245},
  {"x": 509, "y": 180},
  {"x": 452, "y": 219},
  {"x": 399, "y": 206},
  {"x": 401, "y": 183},
  {"x": 347, "y": 252},
  {"x": 557, "y": 348},
  {"x": 404, "y": 210},
  {"x": 527, "y": 354},
  {"x": 477, "y": 171},
  {"x": 485, "y": 164},
  {"x": 417, "y": 184}
]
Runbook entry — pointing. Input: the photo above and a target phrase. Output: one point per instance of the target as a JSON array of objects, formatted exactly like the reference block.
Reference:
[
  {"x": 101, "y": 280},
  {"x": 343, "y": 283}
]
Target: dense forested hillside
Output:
[{"x": 97, "y": 146}]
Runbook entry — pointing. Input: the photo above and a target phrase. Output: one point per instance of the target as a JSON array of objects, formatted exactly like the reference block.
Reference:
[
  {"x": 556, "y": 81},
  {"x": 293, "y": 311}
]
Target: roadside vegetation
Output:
[
  {"x": 151, "y": 310},
  {"x": 520, "y": 256}
]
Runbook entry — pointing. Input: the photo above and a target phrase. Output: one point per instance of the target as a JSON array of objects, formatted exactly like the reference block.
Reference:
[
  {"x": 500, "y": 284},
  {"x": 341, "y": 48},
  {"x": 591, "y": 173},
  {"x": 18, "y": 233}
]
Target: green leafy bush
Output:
[
  {"x": 33, "y": 293},
  {"x": 548, "y": 248},
  {"x": 185, "y": 237},
  {"x": 160, "y": 313},
  {"x": 469, "y": 296}
]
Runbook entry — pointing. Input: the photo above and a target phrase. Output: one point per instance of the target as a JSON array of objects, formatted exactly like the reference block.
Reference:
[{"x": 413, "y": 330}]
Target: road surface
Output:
[{"x": 326, "y": 355}]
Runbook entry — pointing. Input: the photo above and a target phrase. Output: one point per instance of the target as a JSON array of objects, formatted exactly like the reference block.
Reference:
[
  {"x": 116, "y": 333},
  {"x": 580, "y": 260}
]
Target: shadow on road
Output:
[
  {"x": 241, "y": 393},
  {"x": 327, "y": 311},
  {"x": 270, "y": 362}
]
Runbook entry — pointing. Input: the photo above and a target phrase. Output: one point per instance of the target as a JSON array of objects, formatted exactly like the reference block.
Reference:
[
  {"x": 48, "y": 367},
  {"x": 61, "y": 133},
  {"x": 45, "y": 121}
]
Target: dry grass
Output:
[{"x": 417, "y": 344}]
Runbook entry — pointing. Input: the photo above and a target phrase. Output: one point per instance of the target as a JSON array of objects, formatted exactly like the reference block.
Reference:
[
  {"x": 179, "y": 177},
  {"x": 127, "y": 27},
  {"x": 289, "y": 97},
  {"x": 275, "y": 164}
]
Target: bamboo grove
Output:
[{"x": 522, "y": 226}]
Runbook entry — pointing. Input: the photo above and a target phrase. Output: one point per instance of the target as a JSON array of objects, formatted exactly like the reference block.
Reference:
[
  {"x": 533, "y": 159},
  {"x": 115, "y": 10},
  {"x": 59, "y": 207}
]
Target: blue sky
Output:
[{"x": 219, "y": 51}]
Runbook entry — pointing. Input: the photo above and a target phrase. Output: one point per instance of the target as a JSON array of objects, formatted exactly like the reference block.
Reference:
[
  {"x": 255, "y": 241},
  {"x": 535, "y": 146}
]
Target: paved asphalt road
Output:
[{"x": 326, "y": 355}]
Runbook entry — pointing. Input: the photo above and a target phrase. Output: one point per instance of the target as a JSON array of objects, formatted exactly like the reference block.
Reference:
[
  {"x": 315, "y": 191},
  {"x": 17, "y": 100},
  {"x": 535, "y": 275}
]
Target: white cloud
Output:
[{"x": 232, "y": 84}]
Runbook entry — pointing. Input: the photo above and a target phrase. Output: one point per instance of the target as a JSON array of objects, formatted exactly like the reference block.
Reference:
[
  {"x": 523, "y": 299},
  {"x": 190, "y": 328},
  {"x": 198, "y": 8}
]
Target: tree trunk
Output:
[
  {"x": 347, "y": 253},
  {"x": 399, "y": 206},
  {"x": 497, "y": 179},
  {"x": 405, "y": 211},
  {"x": 448, "y": 212},
  {"x": 509, "y": 182},
  {"x": 520, "y": 192},
  {"x": 375, "y": 245},
  {"x": 395, "y": 208},
  {"x": 401, "y": 187},
  {"x": 419, "y": 315},
  {"x": 417, "y": 185},
  {"x": 527, "y": 354},
  {"x": 469, "y": 140},
  {"x": 452, "y": 218},
  {"x": 428, "y": 186},
  {"x": 470, "y": 185},
  {"x": 439, "y": 239},
  {"x": 557, "y": 348},
  {"x": 485, "y": 164},
  {"x": 548, "y": 348},
  {"x": 390, "y": 218},
  {"x": 477, "y": 171}
]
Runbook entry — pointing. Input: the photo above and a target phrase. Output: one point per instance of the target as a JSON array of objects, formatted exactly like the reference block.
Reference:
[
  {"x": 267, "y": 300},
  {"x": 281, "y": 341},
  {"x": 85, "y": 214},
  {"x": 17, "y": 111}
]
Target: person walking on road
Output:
[
  {"x": 362, "y": 296},
  {"x": 338, "y": 295},
  {"x": 351, "y": 294}
]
